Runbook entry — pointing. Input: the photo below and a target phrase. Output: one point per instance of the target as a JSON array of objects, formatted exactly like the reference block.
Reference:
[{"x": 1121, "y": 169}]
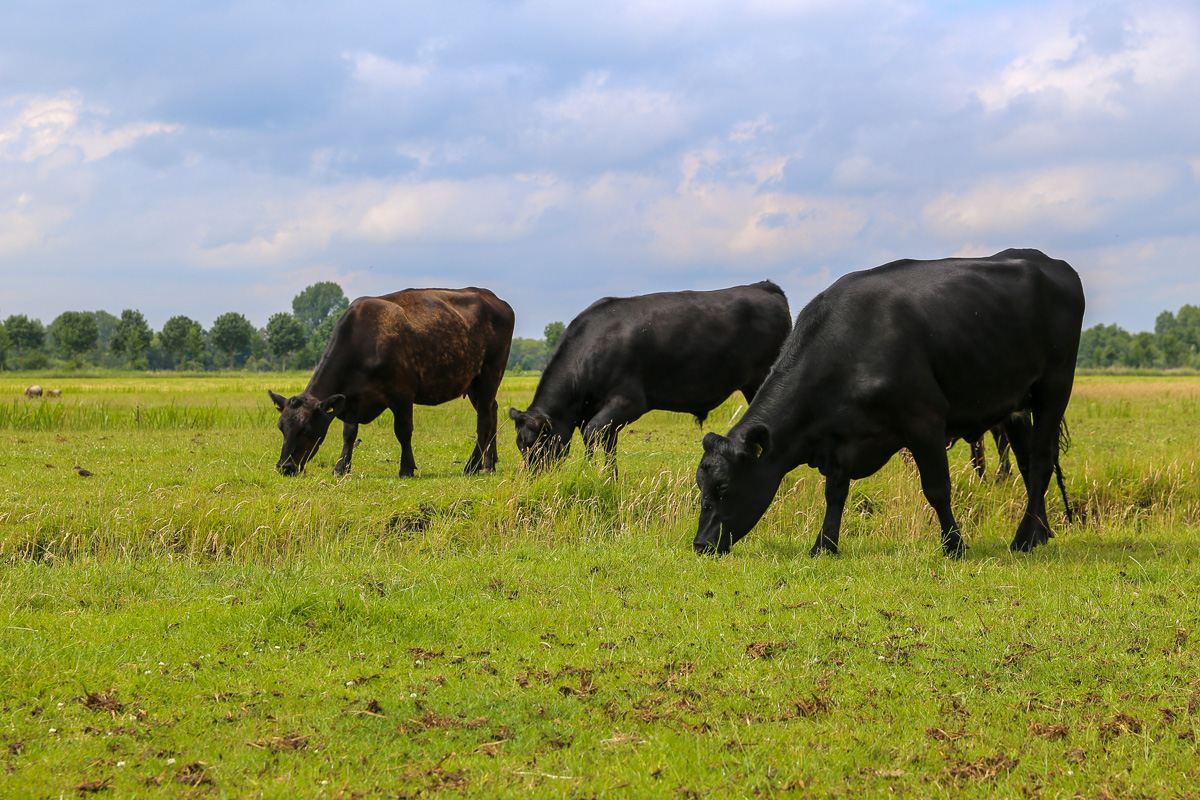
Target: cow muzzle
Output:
[{"x": 711, "y": 537}]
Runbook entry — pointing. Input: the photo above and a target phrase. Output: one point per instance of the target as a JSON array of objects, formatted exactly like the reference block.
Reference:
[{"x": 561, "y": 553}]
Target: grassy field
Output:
[{"x": 185, "y": 621}]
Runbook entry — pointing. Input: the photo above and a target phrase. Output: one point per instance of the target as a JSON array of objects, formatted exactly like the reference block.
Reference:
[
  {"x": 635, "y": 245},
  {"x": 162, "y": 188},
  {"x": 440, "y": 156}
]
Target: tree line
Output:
[
  {"x": 296, "y": 340},
  {"x": 1174, "y": 343},
  {"x": 293, "y": 340}
]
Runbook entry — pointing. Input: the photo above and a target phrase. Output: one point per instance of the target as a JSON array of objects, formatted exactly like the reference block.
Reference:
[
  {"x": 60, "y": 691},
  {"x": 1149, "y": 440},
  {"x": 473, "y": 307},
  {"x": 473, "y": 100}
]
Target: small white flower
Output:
[
  {"x": 60, "y": 705},
  {"x": 55, "y": 730},
  {"x": 147, "y": 672},
  {"x": 120, "y": 763},
  {"x": 418, "y": 662},
  {"x": 170, "y": 761},
  {"x": 414, "y": 694},
  {"x": 324, "y": 783},
  {"x": 349, "y": 683},
  {"x": 161, "y": 664}
]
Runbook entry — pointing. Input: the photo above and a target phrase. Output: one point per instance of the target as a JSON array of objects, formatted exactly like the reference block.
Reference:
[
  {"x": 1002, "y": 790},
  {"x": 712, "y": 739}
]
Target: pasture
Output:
[{"x": 185, "y": 621}]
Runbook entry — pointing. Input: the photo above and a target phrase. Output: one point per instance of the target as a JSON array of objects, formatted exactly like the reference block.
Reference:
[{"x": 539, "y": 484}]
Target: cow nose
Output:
[
  {"x": 287, "y": 468},
  {"x": 704, "y": 548}
]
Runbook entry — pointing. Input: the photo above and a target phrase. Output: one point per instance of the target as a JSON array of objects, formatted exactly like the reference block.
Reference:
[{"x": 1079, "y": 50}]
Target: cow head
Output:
[
  {"x": 542, "y": 440},
  {"x": 303, "y": 421},
  {"x": 737, "y": 483}
]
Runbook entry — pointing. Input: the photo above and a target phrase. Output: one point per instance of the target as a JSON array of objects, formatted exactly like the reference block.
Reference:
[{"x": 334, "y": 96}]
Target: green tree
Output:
[
  {"x": 132, "y": 336},
  {"x": 317, "y": 303},
  {"x": 553, "y": 333},
  {"x": 174, "y": 335},
  {"x": 76, "y": 333},
  {"x": 1171, "y": 349},
  {"x": 1103, "y": 346},
  {"x": 25, "y": 334},
  {"x": 286, "y": 335},
  {"x": 528, "y": 355},
  {"x": 231, "y": 333},
  {"x": 4, "y": 343},
  {"x": 1142, "y": 352},
  {"x": 312, "y": 352},
  {"x": 193, "y": 344},
  {"x": 106, "y": 328}
]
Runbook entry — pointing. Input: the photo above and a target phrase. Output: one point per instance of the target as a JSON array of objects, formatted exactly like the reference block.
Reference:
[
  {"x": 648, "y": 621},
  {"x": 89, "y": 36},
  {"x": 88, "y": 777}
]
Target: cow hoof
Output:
[
  {"x": 407, "y": 473},
  {"x": 818, "y": 549}
]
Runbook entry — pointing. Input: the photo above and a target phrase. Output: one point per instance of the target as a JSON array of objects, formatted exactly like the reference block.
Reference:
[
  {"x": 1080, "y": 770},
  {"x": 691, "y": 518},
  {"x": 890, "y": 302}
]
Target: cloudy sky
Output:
[{"x": 197, "y": 158}]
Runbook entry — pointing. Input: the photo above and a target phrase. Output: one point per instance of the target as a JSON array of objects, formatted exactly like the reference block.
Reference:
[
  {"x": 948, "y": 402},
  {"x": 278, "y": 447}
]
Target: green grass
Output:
[{"x": 186, "y": 621}]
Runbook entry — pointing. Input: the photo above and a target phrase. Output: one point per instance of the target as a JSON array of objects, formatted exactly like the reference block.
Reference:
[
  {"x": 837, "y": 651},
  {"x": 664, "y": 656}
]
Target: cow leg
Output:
[
  {"x": 934, "y": 469},
  {"x": 1002, "y": 448},
  {"x": 979, "y": 457},
  {"x": 1041, "y": 456},
  {"x": 483, "y": 456},
  {"x": 604, "y": 426},
  {"x": 404, "y": 429},
  {"x": 837, "y": 488},
  {"x": 349, "y": 437}
]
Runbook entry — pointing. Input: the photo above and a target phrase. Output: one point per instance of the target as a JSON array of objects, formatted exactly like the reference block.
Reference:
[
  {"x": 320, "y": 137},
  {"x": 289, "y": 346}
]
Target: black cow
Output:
[
  {"x": 675, "y": 351},
  {"x": 423, "y": 346},
  {"x": 909, "y": 354}
]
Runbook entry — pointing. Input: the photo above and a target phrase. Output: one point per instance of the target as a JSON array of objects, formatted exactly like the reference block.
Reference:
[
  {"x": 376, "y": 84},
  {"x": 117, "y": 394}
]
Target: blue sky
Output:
[{"x": 191, "y": 158}]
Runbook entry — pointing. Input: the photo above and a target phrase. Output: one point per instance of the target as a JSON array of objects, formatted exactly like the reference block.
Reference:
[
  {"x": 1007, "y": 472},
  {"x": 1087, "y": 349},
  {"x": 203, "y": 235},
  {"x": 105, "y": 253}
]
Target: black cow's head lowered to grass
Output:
[
  {"x": 737, "y": 482},
  {"x": 303, "y": 421},
  {"x": 542, "y": 440}
]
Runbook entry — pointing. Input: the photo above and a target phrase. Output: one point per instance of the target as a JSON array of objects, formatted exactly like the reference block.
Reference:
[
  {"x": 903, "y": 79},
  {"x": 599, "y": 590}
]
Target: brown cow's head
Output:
[
  {"x": 303, "y": 421},
  {"x": 541, "y": 440}
]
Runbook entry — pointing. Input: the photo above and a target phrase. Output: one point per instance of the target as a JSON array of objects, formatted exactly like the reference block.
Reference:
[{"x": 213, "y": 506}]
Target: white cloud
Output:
[
  {"x": 44, "y": 125},
  {"x": 1067, "y": 199},
  {"x": 494, "y": 209},
  {"x": 607, "y": 122},
  {"x": 1154, "y": 50},
  {"x": 25, "y": 224},
  {"x": 379, "y": 72},
  {"x": 728, "y": 216}
]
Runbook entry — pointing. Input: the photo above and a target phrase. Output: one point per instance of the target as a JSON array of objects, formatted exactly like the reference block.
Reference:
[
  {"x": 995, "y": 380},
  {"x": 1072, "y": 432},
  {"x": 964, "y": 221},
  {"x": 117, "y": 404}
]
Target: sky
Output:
[{"x": 198, "y": 158}]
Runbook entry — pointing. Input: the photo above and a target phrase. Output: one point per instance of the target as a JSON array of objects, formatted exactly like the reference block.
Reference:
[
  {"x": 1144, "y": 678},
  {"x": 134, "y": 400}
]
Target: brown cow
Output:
[
  {"x": 423, "y": 346},
  {"x": 33, "y": 391}
]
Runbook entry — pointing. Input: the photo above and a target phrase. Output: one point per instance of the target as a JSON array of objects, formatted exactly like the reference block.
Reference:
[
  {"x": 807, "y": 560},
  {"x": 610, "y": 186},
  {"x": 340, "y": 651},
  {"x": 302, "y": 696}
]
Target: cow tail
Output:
[{"x": 1064, "y": 444}]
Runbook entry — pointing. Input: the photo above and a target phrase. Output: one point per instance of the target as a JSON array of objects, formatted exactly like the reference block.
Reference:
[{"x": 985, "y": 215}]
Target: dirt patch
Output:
[
  {"x": 289, "y": 742},
  {"x": 1119, "y": 724},
  {"x": 765, "y": 650},
  {"x": 105, "y": 702},
  {"x": 91, "y": 787},
  {"x": 1048, "y": 731},
  {"x": 984, "y": 769},
  {"x": 194, "y": 774}
]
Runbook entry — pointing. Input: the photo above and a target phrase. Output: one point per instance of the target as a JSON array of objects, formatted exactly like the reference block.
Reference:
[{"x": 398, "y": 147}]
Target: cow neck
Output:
[
  {"x": 557, "y": 394},
  {"x": 328, "y": 378}
]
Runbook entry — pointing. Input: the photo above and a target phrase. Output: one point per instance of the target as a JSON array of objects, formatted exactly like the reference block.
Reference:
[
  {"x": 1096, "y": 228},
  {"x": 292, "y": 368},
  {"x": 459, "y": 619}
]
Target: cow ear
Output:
[
  {"x": 758, "y": 439},
  {"x": 516, "y": 416},
  {"x": 333, "y": 405},
  {"x": 278, "y": 399},
  {"x": 714, "y": 442}
]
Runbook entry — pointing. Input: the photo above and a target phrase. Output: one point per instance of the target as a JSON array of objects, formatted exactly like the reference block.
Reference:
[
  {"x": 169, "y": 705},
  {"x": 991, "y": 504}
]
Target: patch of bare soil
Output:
[
  {"x": 287, "y": 743},
  {"x": 983, "y": 769}
]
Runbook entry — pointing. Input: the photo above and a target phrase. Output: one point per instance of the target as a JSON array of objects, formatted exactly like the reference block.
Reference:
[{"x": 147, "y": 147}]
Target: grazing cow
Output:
[
  {"x": 908, "y": 354},
  {"x": 423, "y": 346},
  {"x": 54, "y": 392},
  {"x": 674, "y": 351},
  {"x": 33, "y": 391}
]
